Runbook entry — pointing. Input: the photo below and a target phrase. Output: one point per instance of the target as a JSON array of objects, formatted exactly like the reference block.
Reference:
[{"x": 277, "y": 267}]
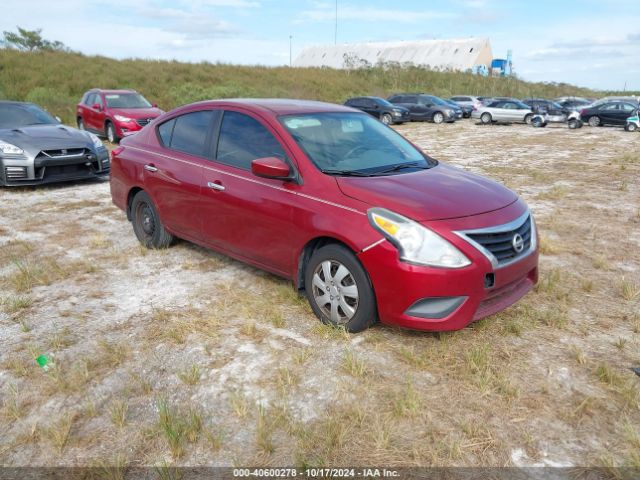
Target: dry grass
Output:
[{"x": 182, "y": 356}]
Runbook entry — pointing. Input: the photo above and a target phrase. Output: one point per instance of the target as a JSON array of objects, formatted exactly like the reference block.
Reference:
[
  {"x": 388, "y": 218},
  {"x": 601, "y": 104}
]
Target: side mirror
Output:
[
  {"x": 270, "y": 167},
  {"x": 96, "y": 106}
]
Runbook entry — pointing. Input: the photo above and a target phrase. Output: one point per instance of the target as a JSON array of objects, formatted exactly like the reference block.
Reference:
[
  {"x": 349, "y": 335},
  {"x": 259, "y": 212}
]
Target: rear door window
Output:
[
  {"x": 190, "y": 133},
  {"x": 243, "y": 139}
]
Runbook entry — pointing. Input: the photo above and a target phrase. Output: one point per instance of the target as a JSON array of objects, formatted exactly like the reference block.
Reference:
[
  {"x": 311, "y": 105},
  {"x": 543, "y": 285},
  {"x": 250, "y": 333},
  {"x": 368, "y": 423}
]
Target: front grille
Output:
[
  {"x": 501, "y": 242},
  {"x": 65, "y": 152},
  {"x": 143, "y": 121},
  {"x": 15, "y": 173},
  {"x": 66, "y": 170}
]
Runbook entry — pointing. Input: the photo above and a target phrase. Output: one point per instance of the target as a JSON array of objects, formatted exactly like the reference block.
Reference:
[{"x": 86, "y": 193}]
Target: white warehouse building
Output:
[{"x": 455, "y": 54}]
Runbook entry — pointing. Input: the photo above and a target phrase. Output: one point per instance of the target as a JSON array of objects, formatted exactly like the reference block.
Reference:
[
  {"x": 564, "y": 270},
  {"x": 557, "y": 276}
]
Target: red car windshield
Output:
[
  {"x": 353, "y": 144},
  {"x": 126, "y": 100}
]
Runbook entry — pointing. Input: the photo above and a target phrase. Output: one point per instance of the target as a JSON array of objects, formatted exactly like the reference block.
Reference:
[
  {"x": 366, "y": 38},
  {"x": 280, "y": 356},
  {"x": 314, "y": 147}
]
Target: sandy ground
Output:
[{"x": 186, "y": 357}]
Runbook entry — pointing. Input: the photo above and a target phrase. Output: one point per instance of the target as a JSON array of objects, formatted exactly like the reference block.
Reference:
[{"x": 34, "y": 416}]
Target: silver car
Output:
[
  {"x": 504, "y": 111},
  {"x": 36, "y": 148}
]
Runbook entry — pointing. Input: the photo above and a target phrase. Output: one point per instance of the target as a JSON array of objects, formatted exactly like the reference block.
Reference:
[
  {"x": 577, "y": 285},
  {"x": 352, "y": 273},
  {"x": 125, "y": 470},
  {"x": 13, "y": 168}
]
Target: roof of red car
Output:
[
  {"x": 103, "y": 90},
  {"x": 280, "y": 106}
]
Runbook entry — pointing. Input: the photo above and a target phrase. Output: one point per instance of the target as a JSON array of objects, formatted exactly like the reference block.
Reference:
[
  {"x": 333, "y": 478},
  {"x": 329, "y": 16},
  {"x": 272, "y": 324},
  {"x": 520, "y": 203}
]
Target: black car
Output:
[
  {"x": 36, "y": 148},
  {"x": 462, "y": 111},
  {"x": 425, "y": 107},
  {"x": 542, "y": 105},
  {"x": 609, "y": 113},
  {"x": 574, "y": 104},
  {"x": 380, "y": 108}
]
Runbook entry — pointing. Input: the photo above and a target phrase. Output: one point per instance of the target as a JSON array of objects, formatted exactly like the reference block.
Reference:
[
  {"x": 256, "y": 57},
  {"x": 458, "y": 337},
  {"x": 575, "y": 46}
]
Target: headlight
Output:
[
  {"x": 9, "y": 149},
  {"x": 95, "y": 139},
  {"x": 416, "y": 243},
  {"x": 449, "y": 112},
  {"x": 120, "y": 118},
  {"x": 397, "y": 113}
]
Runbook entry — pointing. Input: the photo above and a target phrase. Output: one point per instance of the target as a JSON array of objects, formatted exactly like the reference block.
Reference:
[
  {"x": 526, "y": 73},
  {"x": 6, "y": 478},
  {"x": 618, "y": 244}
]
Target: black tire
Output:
[
  {"x": 147, "y": 224},
  {"x": 365, "y": 313},
  {"x": 595, "y": 121},
  {"x": 630, "y": 127},
  {"x": 110, "y": 133},
  {"x": 80, "y": 124},
  {"x": 486, "y": 118},
  {"x": 573, "y": 124},
  {"x": 386, "y": 119},
  {"x": 537, "y": 122},
  {"x": 438, "y": 117},
  {"x": 527, "y": 118}
]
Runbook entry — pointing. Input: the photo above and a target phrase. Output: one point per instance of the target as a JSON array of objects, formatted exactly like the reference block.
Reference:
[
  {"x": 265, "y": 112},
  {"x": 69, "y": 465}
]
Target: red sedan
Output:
[{"x": 361, "y": 220}]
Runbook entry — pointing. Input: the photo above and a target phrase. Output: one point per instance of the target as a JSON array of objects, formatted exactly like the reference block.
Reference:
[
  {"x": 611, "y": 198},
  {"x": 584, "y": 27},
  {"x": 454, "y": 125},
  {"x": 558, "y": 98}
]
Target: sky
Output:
[{"x": 591, "y": 43}]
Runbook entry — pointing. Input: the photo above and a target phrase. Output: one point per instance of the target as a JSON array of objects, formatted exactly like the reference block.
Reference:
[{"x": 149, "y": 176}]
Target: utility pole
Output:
[
  {"x": 290, "y": 50},
  {"x": 335, "y": 33}
]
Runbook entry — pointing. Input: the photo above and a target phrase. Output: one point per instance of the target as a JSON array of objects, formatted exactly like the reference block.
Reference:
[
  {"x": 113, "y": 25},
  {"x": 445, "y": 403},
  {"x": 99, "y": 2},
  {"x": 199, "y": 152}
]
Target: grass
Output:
[
  {"x": 239, "y": 404},
  {"x": 191, "y": 375},
  {"x": 118, "y": 413},
  {"x": 39, "y": 77},
  {"x": 353, "y": 365},
  {"x": 629, "y": 290},
  {"x": 16, "y": 303},
  {"x": 407, "y": 402},
  {"x": 178, "y": 427},
  {"x": 58, "y": 433}
]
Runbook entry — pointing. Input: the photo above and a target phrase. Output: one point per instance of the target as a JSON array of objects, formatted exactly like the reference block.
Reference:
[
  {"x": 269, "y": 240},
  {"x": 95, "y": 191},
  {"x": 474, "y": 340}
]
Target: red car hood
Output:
[
  {"x": 136, "y": 113},
  {"x": 439, "y": 193}
]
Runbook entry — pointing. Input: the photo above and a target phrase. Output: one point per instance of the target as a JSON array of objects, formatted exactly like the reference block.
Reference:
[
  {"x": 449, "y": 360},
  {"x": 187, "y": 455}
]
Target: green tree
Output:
[{"x": 30, "y": 40}]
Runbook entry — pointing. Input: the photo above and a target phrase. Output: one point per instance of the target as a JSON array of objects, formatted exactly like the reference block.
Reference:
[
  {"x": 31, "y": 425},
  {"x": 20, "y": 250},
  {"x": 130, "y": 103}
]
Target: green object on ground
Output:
[{"x": 43, "y": 361}]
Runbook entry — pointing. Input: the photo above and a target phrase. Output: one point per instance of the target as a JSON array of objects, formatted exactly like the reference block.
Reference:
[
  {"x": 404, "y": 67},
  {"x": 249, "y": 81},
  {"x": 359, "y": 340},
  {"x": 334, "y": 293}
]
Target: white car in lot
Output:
[{"x": 504, "y": 111}]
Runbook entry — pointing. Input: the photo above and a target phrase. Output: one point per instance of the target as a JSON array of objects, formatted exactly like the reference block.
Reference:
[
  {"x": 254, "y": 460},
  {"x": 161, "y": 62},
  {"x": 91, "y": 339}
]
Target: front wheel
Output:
[
  {"x": 110, "y": 132},
  {"x": 338, "y": 289},
  {"x": 527, "y": 119},
  {"x": 594, "y": 121},
  {"x": 485, "y": 118},
  {"x": 147, "y": 224},
  {"x": 438, "y": 117},
  {"x": 386, "y": 119},
  {"x": 631, "y": 127},
  {"x": 574, "y": 124}
]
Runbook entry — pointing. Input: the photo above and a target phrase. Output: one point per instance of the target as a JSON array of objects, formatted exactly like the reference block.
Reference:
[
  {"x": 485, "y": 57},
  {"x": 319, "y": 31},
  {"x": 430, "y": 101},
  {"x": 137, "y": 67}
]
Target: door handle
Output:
[
  {"x": 150, "y": 168},
  {"x": 215, "y": 186}
]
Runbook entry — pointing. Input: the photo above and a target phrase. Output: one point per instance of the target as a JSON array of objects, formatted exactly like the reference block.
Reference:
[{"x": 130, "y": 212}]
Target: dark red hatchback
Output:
[{"x": 362, "y": 221}]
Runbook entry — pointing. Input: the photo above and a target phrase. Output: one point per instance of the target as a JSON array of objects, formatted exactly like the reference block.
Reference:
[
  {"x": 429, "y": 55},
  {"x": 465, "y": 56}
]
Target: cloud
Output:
[
  {"x": 323, "y": 12},
  {"x": 192, "y": 25}
]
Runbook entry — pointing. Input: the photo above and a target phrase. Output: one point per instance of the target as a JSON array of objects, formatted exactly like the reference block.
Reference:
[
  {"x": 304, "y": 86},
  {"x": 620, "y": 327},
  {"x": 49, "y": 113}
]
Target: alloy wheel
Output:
[
  {"x": 335, "y": 291},
  {"x": 438, "y": 118}
]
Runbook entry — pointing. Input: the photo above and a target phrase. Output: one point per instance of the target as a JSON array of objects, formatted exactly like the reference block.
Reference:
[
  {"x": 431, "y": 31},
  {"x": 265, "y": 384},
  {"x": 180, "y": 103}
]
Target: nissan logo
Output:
[{"x": 518, "y": 243}]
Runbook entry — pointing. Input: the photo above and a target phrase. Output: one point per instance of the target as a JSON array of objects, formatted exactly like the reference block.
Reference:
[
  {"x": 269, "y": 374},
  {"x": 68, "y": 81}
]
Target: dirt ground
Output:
[{"x": 186, "y": 357}]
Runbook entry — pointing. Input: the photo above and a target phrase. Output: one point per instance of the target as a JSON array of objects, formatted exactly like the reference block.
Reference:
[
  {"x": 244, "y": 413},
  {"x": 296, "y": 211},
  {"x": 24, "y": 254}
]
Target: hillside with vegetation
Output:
[{"x": 56, "y": 79}]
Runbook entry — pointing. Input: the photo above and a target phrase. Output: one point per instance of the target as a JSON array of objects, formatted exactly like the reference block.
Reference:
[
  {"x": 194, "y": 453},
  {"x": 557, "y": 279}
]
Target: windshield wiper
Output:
[
  {"x": 346, "y": 173},
  {"x": 401, "y": 166}
]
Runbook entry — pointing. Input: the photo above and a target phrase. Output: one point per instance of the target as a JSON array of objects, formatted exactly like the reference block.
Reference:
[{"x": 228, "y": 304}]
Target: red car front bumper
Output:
[{"x": 402, "y": 288}]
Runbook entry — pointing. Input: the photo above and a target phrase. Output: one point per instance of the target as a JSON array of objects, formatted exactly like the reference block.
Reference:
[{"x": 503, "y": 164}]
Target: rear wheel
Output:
[
  {"x": 574, "y": 123},
  {"x": 527, "y": 118},
  {"x": 438, "y": 117},
  {"x": 386, "y": 119},
  {"x": 338, "y": 289},
  {"x": 147, "y": 224},
  {"x": 110, "y": 133},
  {"x": 486, "y": 118},
  {"x": 537, "y": 122},
  {"x": 595, "y": 121}
]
